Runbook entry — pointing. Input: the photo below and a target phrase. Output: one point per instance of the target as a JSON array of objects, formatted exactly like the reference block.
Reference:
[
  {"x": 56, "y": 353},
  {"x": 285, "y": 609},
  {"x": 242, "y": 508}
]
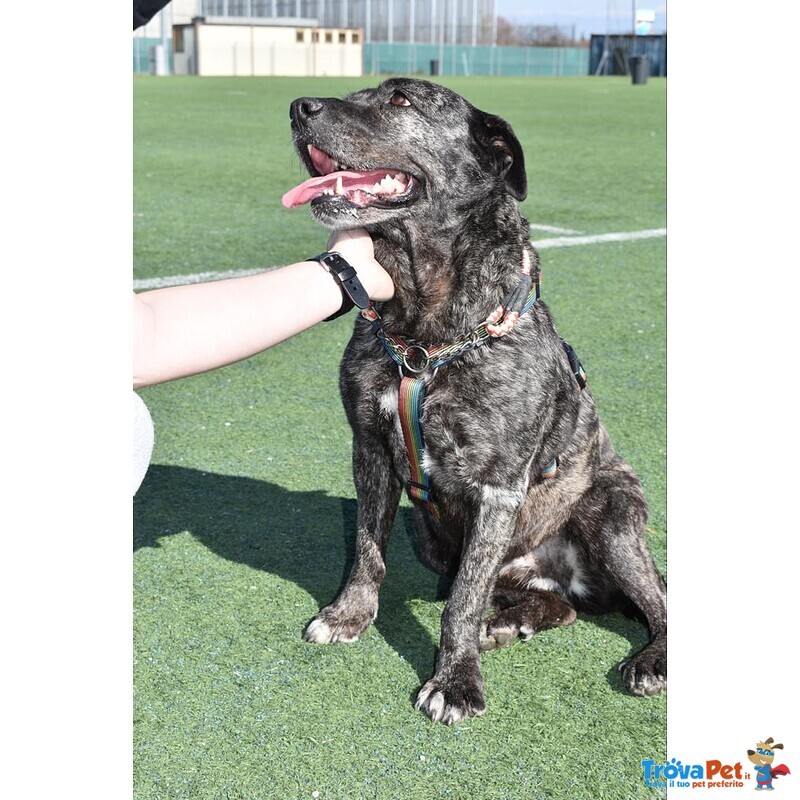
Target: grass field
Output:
[{"x": 246, "y": 519}]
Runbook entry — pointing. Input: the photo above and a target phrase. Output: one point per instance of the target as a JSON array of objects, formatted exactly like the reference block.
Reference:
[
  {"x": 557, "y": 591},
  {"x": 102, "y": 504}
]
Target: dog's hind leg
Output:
[
  {"x": 378, "y": 493},
  {"x": 535, "y": 591},
  {"x": 609, "y": 521},
  {"x": 522, "y": 613}
]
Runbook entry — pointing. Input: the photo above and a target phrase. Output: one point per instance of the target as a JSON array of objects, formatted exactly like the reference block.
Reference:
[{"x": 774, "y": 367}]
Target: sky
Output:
[{"x": 588, "y": 16}]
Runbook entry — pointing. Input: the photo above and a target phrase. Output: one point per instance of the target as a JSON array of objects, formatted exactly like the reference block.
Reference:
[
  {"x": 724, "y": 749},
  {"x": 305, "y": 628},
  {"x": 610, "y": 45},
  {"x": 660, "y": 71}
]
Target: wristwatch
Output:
[{"x": 353, "y": 291}]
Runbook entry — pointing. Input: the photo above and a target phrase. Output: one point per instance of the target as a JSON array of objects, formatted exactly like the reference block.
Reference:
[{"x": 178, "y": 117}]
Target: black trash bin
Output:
[
  {"x": 640, "y": 69},
  {"x": 434, "y": 67}
]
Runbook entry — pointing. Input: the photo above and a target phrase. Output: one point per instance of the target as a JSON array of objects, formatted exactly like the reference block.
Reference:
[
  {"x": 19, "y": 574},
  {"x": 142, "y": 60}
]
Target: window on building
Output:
[
  {"x": 177, "y": 40},
  {"x": 315, "y": 36},
  {"x": 300, "y": 36},
  {"x": 328, "y": 37},
  {"x": 342, "y": 37},
  {"x": 355, "y": 38}
]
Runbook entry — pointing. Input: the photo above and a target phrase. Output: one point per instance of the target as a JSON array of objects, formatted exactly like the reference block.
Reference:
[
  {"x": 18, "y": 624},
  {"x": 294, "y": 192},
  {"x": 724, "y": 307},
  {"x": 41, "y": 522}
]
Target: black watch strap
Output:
[{"x": 353, "y": 291}]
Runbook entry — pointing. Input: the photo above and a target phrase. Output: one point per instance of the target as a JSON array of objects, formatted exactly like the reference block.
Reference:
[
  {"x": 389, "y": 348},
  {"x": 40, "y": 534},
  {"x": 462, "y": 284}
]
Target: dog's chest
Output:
[{"x": 459, "y": 439}]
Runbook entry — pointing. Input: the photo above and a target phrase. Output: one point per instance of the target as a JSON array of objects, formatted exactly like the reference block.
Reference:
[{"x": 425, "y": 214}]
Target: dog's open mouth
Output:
[{"x": 383, "y": 188}]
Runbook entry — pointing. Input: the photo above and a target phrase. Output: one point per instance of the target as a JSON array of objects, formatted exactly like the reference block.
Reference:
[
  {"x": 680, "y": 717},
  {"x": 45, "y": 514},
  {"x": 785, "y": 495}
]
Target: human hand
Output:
[{"x": 357, "y": 249}]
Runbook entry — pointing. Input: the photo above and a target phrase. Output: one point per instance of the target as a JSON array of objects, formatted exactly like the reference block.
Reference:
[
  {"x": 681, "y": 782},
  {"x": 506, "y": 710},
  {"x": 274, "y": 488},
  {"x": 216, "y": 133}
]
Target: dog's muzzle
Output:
[{"x": 334, "y": 180}]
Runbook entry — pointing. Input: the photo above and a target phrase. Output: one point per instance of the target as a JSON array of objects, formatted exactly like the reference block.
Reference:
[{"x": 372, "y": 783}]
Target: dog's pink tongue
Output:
[{"x": 314, "y": 187}]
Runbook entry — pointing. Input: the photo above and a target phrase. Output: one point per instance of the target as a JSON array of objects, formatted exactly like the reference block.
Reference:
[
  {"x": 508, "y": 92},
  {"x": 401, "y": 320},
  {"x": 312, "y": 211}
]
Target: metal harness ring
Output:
[{"x": 424, "y": 352}]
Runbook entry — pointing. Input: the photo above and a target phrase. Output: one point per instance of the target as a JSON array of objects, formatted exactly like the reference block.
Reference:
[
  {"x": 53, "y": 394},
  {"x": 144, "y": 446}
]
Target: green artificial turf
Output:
[{"x": 246, "y": 521}]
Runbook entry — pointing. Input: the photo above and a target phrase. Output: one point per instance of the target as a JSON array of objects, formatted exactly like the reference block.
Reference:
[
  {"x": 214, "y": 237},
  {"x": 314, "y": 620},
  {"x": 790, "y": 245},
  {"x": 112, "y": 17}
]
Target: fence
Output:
[
  {"x": 447, "y": 59},
  {"x": 141, "y": 53}
]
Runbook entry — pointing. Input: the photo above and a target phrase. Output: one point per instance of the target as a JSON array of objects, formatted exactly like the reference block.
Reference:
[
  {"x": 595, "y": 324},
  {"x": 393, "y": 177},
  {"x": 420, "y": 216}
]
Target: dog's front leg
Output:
[
  {"x": 378, "y": 493},
  {"x": 456, "y": 689}
]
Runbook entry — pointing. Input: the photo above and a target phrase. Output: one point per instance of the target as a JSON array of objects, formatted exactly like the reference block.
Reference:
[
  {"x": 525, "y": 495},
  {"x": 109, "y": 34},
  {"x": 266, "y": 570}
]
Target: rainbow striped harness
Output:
[{"x": 412, "y": 357}]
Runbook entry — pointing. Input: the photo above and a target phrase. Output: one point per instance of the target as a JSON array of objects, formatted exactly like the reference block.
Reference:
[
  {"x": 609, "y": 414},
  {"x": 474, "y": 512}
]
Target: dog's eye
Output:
[{"x": 399, "y": 99}]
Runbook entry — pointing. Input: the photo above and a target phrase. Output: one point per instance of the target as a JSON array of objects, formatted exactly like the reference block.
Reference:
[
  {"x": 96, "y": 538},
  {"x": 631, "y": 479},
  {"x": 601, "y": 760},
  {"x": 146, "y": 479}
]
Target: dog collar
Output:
[
  {"x": 417, "y": 358},
  {"x": 353, "y": 291}
]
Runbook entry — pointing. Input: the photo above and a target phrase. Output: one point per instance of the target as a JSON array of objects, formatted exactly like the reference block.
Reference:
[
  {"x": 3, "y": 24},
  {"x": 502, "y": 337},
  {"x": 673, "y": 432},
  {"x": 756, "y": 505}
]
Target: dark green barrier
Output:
[{"x": 410, "y": 59}]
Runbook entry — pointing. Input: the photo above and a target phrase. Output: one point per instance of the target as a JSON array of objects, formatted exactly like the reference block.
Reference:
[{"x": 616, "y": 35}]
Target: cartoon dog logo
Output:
[{"x": 762, "y": 757}]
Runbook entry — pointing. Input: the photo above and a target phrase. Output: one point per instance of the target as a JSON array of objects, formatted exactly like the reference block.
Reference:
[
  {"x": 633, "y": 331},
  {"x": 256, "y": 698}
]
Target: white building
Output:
[{"x": 257, "y": 46}]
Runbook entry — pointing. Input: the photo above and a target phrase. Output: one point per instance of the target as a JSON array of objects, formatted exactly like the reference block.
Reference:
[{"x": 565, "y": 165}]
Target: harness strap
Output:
[
  {"x": 575, "y": 365},
  {"x": 550, "y": 470},
  {"x": 410, "y": 400}
]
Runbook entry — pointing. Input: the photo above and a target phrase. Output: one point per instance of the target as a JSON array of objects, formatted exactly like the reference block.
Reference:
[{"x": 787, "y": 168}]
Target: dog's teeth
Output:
[
  {"x": 339, "y": 187},
  {"x": 389, "y": 185}
]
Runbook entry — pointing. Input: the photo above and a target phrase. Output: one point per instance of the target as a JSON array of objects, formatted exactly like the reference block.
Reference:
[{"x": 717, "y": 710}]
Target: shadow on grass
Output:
[
  {"x": 309, "y": 538},
  {"x": 626, "y": 627},
  {"x": 304, "y": 537}
]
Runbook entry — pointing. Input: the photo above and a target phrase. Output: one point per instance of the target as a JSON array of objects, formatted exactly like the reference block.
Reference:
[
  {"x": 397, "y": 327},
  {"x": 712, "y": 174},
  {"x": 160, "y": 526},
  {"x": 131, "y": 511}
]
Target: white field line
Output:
[
  {"x": 552, "y": 229},
  {"x": 199, "y": 277},
  {"x": 541, "y": 244},
  {"x": 599, "y": 238}
]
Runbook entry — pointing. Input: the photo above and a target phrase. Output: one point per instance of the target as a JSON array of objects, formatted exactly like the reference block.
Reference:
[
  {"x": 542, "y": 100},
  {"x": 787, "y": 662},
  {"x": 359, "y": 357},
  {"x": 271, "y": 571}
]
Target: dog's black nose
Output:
[{"x": 305, "y": 107}]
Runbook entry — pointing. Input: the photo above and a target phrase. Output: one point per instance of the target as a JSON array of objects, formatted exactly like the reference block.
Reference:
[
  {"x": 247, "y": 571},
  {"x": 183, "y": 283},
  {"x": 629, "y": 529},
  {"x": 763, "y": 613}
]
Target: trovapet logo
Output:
[
  {"x": 675, "y": 774},
  {"x": 716, "y": 774}
]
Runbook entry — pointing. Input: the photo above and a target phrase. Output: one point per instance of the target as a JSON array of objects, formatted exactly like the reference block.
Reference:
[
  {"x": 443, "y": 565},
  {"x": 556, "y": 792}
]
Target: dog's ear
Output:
[{"x": 495, "y": 137}]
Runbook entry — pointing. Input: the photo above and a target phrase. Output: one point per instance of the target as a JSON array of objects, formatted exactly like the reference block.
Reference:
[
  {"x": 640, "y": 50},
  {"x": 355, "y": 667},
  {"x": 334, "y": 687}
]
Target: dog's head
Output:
[
  {"x": 765, "y": 754},
  {"x": 398, "y": 151}
]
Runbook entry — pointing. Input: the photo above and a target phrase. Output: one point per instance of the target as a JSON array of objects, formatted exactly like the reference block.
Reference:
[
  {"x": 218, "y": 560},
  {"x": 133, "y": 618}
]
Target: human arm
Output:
[{"x": 184, "y": 330}]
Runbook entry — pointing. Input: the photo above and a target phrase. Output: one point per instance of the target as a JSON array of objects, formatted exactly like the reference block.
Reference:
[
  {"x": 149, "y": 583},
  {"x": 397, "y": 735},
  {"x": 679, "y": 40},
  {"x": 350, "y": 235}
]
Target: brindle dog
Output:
[{"x": 435, "y": 182}]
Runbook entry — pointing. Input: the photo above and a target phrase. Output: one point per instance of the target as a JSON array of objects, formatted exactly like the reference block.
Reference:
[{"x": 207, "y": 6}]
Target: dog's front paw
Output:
[
  {"x": 452, "y": 700},
  {"x": 334, "y": 624},
  {"x": 645, "y": 674}
]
